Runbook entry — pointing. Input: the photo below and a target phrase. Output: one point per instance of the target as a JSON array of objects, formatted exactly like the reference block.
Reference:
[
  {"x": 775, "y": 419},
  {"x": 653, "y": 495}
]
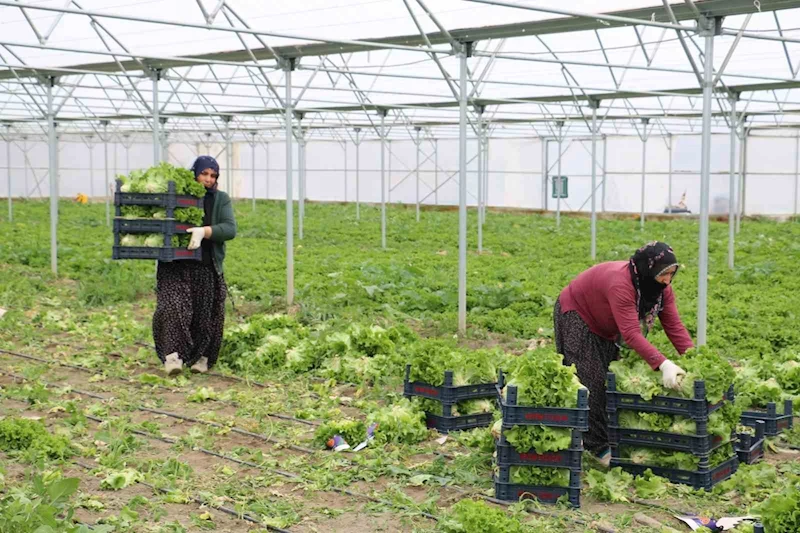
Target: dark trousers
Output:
[
  {"x": 591, "y": 356},
  {"x": 190, "y": 311}
]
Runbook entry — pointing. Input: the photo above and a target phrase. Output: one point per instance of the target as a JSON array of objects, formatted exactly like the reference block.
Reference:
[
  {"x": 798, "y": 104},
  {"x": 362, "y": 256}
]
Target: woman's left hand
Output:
[{"x": 197, "y": 237}]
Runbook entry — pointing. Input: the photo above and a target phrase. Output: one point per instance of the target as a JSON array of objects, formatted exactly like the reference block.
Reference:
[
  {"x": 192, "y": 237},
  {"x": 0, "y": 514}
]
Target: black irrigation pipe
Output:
[
  {"x": 91, "y": 371},
  {"x": 222, "y": 508}
]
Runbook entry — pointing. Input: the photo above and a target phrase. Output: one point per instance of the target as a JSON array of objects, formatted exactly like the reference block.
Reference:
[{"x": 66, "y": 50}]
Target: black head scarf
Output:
[
  {"x": 649, "y": 262},
  {"x": 203, "y": 162}
]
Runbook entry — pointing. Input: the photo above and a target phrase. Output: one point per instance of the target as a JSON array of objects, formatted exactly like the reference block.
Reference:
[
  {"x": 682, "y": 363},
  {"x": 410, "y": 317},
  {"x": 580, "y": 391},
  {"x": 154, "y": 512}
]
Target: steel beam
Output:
[
  {"x": 594, "y": 106},
  {"x": 669, "y": 174},
  {"x": 436, "y": 171},
  {"x": 52, "y": 144},
  {"x": 383, "y": 178},
  {"x": 732, "y": 185},
  {"x": 301, "y": 181},
  {"x": 559, "y": 179},
  {"x": 107, "y": 180},
  {"x": 796, "y": 170},
  {"x": 706, "y": 26},
  {"x": 417, "y": 148},
  {"x": 288, "y": 67},
  {"x": 156, "y": 75},
  {"x": 358, "y": 173},
  {"x": 253, "y": 168},
  {"x": 645, "y": 122},
  {"x": 462, "y": 190},
  {"x": 8, "y": 173}
]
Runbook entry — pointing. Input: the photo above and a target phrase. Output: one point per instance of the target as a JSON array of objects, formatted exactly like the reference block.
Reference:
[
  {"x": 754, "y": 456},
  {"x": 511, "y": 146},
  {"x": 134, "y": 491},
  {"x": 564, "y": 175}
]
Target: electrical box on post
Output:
[{"x": 560, "y": 187}]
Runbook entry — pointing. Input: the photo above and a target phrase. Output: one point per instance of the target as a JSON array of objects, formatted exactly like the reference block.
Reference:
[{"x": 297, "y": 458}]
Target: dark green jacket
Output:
[{"x": 223, "y": 227}]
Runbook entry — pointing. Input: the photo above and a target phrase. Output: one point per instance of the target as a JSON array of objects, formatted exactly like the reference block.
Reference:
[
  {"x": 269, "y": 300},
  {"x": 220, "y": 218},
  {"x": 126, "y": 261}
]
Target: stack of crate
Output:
[
  {"x": 166, "y": 227},
  {"x": 448, "y": 396},
  {"x": 576, "y": 419},
  {"x": 701, "y": 444},
  {"x": 774, "y": 423}
]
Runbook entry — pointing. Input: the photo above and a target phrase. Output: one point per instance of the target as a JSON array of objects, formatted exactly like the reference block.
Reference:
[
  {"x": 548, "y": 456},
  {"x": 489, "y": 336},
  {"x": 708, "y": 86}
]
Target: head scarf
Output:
[
  {"x": 202, "y": 163},
  {"x": 649, "y": 262}
]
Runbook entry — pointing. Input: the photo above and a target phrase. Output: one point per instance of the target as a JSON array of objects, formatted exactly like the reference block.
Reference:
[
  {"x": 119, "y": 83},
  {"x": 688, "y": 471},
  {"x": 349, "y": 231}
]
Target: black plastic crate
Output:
[
  {"x": 750, "y": 448},
  {"x": 697, "y": 408},
  {"x": 446, "y": 424},
  {"x": 150, "y": 225},
  {"x": 758, "y": 528},
  {"x": 159, "y": 254},
  {"x": 701, "y": 479},
  {"x": 168, "y": 200},
  {"x": 774, "y": 424},
  {"x": 571, "y": 458},
  {"x": 518, "y": 415},
  {"x": 512, "y": 492},
  {"x": 447, "y": 393},
  {"x": 694, "y": 444}
]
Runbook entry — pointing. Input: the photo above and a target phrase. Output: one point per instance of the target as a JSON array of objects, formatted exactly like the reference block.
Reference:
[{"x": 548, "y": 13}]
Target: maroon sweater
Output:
[{"x": 605, "y": 299}]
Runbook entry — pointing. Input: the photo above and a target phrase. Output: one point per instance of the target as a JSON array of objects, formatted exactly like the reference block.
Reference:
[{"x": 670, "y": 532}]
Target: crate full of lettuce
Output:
[
  {"x": 768, "y": 389},
  {"x": 685, "y": 435},
  {"x": 154, "y": 209},
  {"x": 455, "y": 387},
  {"x": 538, "y": 440}
]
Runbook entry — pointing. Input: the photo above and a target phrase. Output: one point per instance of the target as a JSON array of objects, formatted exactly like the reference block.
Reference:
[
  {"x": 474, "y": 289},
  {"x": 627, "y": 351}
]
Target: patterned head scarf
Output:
[
  {"x": 203, "y": 162},
  {"x": 649, "y": 262}
]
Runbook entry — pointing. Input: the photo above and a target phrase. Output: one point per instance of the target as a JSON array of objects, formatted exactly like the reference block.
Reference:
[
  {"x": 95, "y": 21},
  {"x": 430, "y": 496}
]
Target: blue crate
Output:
[
  {"x": 512, "y": 492},
  {"x": 570, "y": 458},
  {"x": 697, "y": 408},
  {"x": 446, "y": 424},
  {"x": 774, "y": 424},
  {"x": 750, "y": 448},
  {"x": 447, "y": 393},
  {"x": 165, "y": 254},
  {"x": 168, "y": 200},
  {"x": 694, "y": 444},
  {"x": 703, "y": 478},
  {"x": 519, "y": 415}
]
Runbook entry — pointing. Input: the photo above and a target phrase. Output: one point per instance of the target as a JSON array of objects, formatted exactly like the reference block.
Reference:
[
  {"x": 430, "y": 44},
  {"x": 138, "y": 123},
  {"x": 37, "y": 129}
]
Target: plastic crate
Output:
[
  {"x": 758, "y": 528},
  {"x": 774, "y": 424},
  {"x": 701, "y": 479},
  {"x": 517, "y": 415},
  {"x": 447, "y": 393},
  {"x": 168, "y": 200},
  {"x": 512, "y": 492},
  {"x": 697, "y": 408},
  {"x": 150, "y": 225},
  {"x": 750, "y": 448},
  {"x": 159, "y": 254},
  {"x": 694, "y": 444},
  {"x": 446, "y": 424},
  {"x": 570, "y": 458}
]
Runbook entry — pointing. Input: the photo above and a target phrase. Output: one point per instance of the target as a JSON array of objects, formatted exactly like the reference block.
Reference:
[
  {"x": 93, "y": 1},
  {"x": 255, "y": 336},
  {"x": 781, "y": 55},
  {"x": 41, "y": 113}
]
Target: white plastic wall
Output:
[{"x": 515, "y": 167}]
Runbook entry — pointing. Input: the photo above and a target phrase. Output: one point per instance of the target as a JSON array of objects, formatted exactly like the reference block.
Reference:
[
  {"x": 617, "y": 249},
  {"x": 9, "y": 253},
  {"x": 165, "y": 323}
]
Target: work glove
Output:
[
  {"x": 197, "y": 237},
  {"x": 670, "y": 374}
]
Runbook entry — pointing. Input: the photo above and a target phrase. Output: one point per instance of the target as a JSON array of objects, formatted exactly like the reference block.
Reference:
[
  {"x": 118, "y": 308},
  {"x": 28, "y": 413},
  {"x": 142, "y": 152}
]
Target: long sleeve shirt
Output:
[{"x": 605, "y": 299}]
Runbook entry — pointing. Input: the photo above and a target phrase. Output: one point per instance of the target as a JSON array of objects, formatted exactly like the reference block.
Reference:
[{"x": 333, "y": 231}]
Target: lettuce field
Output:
[{"x": 94, "y": 437}]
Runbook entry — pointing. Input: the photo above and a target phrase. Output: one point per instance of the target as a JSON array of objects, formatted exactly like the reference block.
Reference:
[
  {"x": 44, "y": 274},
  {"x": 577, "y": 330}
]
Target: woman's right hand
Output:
[{"x": 670, "y": 374}]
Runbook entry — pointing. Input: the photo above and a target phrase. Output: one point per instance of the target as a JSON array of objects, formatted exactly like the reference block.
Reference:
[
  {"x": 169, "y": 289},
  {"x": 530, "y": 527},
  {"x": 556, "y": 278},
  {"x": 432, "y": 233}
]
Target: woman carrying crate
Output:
[
  {"x": 190, "y": 308},
  {"x": 615, "y": 302}
]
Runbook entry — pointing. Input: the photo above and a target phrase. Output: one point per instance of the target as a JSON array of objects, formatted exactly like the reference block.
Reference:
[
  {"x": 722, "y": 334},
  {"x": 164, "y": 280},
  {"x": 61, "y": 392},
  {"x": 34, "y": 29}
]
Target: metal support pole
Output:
[
  {"x": 358, "y": 173},
  {"x": 228, "y": 157},
  {"x": 418, "y": 128},
  {"x": 480, "y": 186},
  {"x": 707, "y": 31},
  {"x": 8, "y": 173},
  {"x": 105, "y": 162},
  {"x": 127, "y": 147},
  {"x": 645, "y": 122},
  {"x": 266, "y": 163},
  {"x": 389, "y": 171},
  {"x": 345, "y": 171},
  {"x": 25, "y": 164},
  {"x": 594, "y": 104},
  {"x": 436, "y": 171},
  {"x": 91, "y": 168},
  {"x": 164, "y": 142},
  {"x": 382, "y": 113},
  {"x": 669, "y": 174},
  {"x": 253, "y": 168},
  {"x": 463, "y": 51},
  {"x": 288, "y": 67},
  {"x": 605, "y": 175},
  {"x": 742, "y": 178},
  {"x": 301, "y": 182},
  {"x": 156, "y": 75},
  {"x": 732, "y": 185},
  {"x": 559, "y": 179},
  {"x": 485, "y": 176},
  {"x": 796, "y": 169},
  {"x": 545, "y": 171},
  {"x": 52, "y": 144}
]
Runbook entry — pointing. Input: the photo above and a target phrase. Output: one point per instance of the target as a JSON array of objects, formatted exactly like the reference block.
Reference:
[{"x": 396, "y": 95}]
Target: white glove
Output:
[
  {"x": 197, "y": 237},
  {"x": 670, "y": 373}
]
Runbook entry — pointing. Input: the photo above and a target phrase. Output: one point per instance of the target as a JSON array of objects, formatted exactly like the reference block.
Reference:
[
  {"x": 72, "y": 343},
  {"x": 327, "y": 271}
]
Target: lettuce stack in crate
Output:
[
  {"x": 538, "y": 441},
  {"x": 154, "y": 208},
  {"x": 766, "y": 388},
  {"x": 686, "y": 435},
  {"x": 455, "y": 387}
]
